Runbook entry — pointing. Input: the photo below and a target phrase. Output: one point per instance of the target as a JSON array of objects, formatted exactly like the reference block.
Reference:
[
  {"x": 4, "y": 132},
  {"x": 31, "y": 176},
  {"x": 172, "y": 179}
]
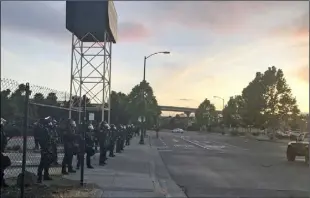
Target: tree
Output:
[
  {"x": 51, "y": 99},
  {"x": 18, "y": 100},
  {"x": 205, "y": 113},
  {"x": 119, "y": 108},
  {"x": 148, "y": 107},
  {"x": 268, "y": 100},
  {"x": 233, "y": 111},
  {"x": 8, "y": 109}
]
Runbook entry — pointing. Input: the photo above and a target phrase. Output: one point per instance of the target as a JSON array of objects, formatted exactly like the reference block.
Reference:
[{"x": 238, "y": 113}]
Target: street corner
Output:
[
  {"x": 169, "y": 188},
  {"x": 56, "y": 188}
]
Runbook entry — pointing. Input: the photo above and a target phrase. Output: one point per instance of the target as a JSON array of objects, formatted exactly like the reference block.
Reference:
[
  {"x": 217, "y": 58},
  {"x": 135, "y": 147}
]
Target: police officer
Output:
[
  {"x": 45, "y": 142},
  {"x": 123, "y": 137},
  {"x": 103, "y": 141},
  {"x": 128, "y": 135},
  {"x": 118, "y": 139},
  {"x": 36, "y": 135},
  {"x": 55, "y": 136},
  {"x": 112, "y": 140},
  {"x": 69, "y": 138},
  {"x": 96, "y": 132},
  {"x": 89, "y": 144},
  {"x": 5, "y": 160}
]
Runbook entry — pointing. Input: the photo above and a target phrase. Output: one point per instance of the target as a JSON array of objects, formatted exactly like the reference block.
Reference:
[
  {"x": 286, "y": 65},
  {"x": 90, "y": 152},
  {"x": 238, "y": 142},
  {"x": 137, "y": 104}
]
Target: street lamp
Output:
[
  {"x": 143, "y": 98},
  {"x": 146, "y": 57},
  {"x": 223, "y": 103},
  {"x": 221, "y": 99}
]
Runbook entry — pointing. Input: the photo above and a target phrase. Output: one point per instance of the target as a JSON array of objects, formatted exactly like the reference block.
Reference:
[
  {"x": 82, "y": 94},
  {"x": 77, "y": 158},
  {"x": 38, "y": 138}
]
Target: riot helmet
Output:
[
  {"x": 72, "y": 123},
  {"x": 113, "y": 127},
  {"x": 3, "y": 122},
  {"x": 90, "y": 127}
]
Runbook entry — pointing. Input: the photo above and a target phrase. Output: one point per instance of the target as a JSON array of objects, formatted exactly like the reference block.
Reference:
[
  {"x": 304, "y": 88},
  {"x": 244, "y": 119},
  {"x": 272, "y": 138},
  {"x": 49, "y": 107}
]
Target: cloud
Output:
[
  {"x": 296, "y": 28},
  {"x": 48, "y": 20},
  {"x": 185, "y": 99},
  {"x": 132, "y": 32},
  {"x": 221, "y": 17},
  {"x": 36, "y": 19},
  {"x": 302, "y": 73}
]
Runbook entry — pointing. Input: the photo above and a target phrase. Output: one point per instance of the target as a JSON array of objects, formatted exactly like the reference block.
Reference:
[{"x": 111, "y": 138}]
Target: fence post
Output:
[
  {"x": 25, "y": 129},
  {"x": 82, "y": 132}
]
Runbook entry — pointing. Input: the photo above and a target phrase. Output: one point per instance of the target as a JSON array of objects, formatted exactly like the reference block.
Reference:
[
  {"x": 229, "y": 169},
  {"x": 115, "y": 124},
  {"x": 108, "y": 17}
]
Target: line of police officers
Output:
[{"x": 48, "y": 134}]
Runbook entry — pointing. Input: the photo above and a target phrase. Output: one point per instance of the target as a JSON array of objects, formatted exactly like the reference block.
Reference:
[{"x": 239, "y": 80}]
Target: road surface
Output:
[{"x": 213, "y": 165}]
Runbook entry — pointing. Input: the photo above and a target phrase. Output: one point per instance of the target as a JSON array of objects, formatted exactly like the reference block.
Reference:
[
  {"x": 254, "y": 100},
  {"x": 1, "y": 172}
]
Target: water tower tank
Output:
[{"x": 95, "y": 17}]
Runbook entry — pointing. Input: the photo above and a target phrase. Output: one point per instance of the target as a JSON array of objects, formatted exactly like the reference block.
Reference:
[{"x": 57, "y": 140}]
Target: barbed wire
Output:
[
  {"x": 13, "y": 85},
  {"x": 37, "y": 108}
]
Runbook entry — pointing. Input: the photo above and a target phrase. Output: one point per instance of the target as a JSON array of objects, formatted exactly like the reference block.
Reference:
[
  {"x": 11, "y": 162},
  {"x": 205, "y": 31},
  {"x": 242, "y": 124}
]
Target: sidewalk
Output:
[
  {"x": 137, "y": 172},
  {"x": 267, "y": 139}
]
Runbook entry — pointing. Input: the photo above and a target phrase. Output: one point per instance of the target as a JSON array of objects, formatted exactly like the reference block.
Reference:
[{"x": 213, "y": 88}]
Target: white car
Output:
[{"x": 177, "y": 130}]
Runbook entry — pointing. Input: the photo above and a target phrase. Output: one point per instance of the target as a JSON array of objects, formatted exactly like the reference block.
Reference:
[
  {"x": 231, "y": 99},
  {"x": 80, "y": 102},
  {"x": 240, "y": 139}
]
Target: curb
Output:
[{"x": 167, "y": 187}]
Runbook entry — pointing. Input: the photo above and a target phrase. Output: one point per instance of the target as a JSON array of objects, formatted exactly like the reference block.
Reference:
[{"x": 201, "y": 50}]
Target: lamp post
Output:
[
  {"x": 143, "y": 96},
  {"x": 221, "y": 99}
]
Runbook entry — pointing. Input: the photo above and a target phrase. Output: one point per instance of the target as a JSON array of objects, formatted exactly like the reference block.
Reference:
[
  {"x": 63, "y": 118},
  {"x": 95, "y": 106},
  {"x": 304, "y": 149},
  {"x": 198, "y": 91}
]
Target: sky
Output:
[{"x": 216, "y": 47}]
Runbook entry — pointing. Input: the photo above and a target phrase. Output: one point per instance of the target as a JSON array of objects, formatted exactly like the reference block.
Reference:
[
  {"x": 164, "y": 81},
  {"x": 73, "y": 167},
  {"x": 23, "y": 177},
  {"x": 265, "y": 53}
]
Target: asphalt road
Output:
[{"x": 212, "y": 165}]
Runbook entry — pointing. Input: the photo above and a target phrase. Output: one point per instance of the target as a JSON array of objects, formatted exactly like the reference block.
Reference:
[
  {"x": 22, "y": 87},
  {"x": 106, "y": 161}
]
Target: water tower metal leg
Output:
[
  {"x": 110, "y": 70},
  {"x": 90, "y": 73},
  {"x": 71, "y": 78}
]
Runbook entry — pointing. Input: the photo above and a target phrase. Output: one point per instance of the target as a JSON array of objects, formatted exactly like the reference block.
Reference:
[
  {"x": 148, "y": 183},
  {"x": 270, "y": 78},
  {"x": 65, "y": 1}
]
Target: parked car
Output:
[
  {"x": 294, "y": 135},
  {"x": 177, "y": 130},
  {"x": 299, "y": 147}
]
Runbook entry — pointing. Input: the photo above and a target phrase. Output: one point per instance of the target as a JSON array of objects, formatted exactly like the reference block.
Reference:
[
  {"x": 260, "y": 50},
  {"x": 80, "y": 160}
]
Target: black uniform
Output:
[
  {"x": 123, "y": 137},
  {"x": 5, "y": 160},
  {"x": 118, "y": 139},
  {"x": 103, "y": 141},
  {"x": 45, "y": 141},
  {"x": 89, "y": 144},
  {"x": 69, "y": 140},
  {"x": 129, "y": 131},
  {"x": 55, "y": 141},
  {"x": 137, "y": 130},
  {"x": 113, "y": 138},
  {"x": 36, "y": 135}
]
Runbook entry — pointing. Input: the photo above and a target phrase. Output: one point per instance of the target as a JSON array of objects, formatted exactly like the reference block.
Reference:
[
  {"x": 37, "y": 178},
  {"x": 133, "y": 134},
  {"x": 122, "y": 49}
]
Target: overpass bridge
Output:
[{"x": 162, "y": 108}]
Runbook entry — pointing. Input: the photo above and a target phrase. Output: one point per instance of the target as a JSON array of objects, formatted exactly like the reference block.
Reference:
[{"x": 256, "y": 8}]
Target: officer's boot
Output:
[
  {"x": 3, "y": 184},
  {"x": 102, "y": 159},
  {"x": 70, "y": 168},
  {"x": 78, "y": 161},
  {"x": 111, "y": 153},
  {"x": 40, "y": 169},
  {"x": 46, "y": 174},
  {"x": 88, "y": 162},
  {"x": 63, "y": 165}
]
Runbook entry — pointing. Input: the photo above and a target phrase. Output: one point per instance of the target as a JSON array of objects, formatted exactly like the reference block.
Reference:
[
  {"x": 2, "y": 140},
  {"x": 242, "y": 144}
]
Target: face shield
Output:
[
  {"x": 3, "y": 121},
  {"x": 107, "y": 126},
  {"x": 72, "y": 122},
  {"x": 90, "y": 127}
]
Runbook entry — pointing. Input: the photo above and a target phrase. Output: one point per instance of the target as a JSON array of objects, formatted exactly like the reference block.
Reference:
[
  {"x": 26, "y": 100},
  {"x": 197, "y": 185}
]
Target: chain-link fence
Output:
[{"x": 43, "y": 102}]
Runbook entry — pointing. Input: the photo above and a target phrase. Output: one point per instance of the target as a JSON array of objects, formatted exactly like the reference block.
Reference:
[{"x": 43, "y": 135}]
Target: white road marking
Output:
[
  {"x": 164, "y": 143},
  {"x": 230, "y": 145},
  {"x": 192, "y": 142},
  {"x": 175, "y": 140},
  {"x": 165, "y": 150},
  {"x": 197, "y": 143}
]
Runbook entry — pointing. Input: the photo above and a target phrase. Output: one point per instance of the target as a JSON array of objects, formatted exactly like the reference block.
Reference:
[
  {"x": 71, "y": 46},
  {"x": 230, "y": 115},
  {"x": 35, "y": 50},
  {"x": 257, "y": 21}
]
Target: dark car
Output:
[{"x": 299, "y": 147}]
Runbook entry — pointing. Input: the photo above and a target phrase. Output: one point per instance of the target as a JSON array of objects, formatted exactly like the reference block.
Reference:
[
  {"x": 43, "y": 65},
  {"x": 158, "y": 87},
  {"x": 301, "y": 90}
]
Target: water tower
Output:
[{"x": 93, "y": 25}]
